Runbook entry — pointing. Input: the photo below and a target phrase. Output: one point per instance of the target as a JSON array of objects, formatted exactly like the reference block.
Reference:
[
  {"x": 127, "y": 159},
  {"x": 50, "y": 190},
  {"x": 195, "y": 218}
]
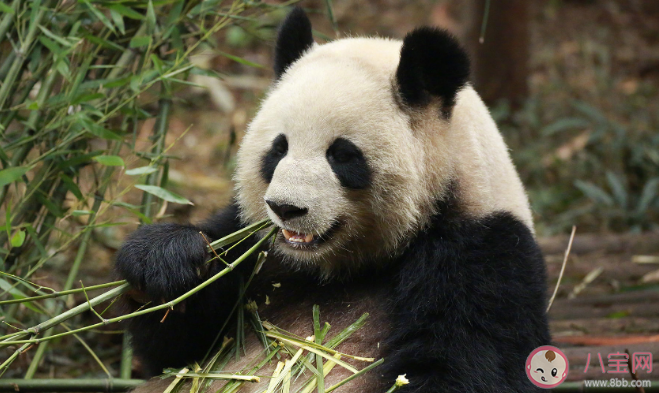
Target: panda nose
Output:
[{"x": 286, "y": 212}]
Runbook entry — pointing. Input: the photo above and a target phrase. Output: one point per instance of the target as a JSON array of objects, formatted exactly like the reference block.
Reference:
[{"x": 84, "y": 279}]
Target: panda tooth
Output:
[{"x": 296, "y": 237}]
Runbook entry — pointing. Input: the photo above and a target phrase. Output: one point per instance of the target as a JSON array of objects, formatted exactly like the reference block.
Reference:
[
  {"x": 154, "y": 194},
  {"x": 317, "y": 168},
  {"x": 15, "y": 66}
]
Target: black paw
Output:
[{"x": 162, "y": 260}]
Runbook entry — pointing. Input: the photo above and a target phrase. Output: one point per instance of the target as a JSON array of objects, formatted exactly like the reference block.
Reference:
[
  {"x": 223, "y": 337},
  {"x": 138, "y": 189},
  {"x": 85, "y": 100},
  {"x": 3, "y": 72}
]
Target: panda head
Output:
[{"x": 346, "y": 154}]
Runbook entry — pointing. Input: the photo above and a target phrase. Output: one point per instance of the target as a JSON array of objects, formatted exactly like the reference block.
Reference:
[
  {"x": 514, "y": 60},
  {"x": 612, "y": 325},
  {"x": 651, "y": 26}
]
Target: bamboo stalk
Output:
[
  {"x": 73, "y": 273},
  {"x": 21, "y": 55},
  {"x": 69, "y": 385},
  {"x": 85, "y": 306},
  {"x": 7, "y": 20},
  {"x": 63, "y": 293}
]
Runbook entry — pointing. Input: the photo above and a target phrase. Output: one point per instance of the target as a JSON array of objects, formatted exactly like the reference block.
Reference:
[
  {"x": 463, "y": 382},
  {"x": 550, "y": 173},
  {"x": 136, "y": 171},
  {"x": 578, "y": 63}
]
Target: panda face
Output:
[{"x": 332, "y": 160}]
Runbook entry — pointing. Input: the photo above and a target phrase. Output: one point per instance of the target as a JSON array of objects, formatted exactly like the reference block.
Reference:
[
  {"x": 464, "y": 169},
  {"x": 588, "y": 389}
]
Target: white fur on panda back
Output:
[{"x": 487, "y": 176}]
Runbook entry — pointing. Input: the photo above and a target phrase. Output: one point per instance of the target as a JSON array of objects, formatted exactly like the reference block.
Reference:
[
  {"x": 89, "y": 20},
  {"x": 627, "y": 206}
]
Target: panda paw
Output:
[{"x": 162, "y": 260}]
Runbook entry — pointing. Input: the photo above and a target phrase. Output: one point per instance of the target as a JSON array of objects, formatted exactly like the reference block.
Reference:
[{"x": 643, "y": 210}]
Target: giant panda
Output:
[{"x": 394, "y": 194}]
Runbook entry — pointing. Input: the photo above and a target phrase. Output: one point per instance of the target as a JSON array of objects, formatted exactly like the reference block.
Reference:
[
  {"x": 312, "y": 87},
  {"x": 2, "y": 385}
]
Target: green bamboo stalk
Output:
[
  {"x": 85, "y": 306},
  {"x": 319, "y": 340},
  {"x": 126, "y": 368},
  {"x": 77, "y": 310},
  {"x": 7, "y": 20},
  {"x": 82, "y": 249},
  {"x": 159, "y": 136},
  {"x": 20, "y": 155},
  {"x": 63, "y": 293},
  {"x": 8, "y": 83},
  {"x": 69, "y": 385}
]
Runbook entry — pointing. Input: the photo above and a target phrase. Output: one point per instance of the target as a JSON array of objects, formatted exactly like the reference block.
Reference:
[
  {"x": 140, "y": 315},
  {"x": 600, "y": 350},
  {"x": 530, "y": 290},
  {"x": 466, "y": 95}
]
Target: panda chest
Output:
[{"x": 286, "y": 303}]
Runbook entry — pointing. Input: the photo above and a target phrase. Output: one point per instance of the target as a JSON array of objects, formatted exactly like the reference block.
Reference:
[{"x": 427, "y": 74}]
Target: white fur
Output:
[{"x": 347, "y": 89}]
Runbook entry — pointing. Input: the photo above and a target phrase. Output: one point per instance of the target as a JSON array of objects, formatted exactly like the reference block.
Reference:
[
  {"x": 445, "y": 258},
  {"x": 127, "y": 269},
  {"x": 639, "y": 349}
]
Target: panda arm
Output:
[
  {"x": 469, "y": 307},
  {"x": 163, "y": 261}
]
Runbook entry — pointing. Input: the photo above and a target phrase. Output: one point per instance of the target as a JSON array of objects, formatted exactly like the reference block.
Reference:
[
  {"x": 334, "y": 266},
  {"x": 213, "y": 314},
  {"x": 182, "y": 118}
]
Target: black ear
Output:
[
  {"x": 432, "y": 64},
  {"x": 293, "y": 40}
]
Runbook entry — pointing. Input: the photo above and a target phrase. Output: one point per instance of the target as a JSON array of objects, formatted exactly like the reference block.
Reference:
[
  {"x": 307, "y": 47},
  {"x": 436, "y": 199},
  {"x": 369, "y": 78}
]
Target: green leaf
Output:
[
  {"x": 5, "y": 9},
  {"x": 150, "y": 18},
  {"x": 564, "y": 124},
  {"x": 87, "y": 97},
  {"x": 109, "y": 160},
  {"x": 51, "y": 45},
  {"x": 125, "y": 11},
  {"x": 99, "y": 15},
  {"x": 100, "y": 131},
  {"x": 647, "y": 195},
  {"x": 164, "y": 194},
  {"x": 143, "y": 170},
  {"x": 241, "y": 60},
  {"x": 593, "y": 192},
  {"x": 10, "y": 175},
  {"x": 34, "y": 105},
  {"x": 618, "y": 189},
  {"x": 118, "y": 20},
  {"x": 78, "y": 213},
  {"x": 157, "y": 63},
  {"x": 17, "y": 294},
  {"x": 139, "y": 41},
  {"x": 104, "y": 43},
  {"x": 18, "y": 239},
  {"x": 71, "y": 186},
  {"x": 52, "y": 36}
]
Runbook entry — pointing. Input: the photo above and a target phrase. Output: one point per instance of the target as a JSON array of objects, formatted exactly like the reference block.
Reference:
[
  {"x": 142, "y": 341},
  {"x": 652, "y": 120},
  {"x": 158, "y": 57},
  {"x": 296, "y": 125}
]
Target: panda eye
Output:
[
  {"x": 280, "y": 146},
  {"x": 554, "y": 372},
  {"x": 342, "y": 152},
  {"x": 341, "y": 157}
]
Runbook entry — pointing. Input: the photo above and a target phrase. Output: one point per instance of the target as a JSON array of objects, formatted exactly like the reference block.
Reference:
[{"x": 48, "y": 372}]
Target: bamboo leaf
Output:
[
  {"x": 100, "y": 131},
  {"x": 150, "y": 18},
  {"x": 594, "y": 192},
  {"x": 99, "y": 15},
  {"x": 10, "y": 175},
  {"x": 139, "y": 41},
  {"x": 71, "y": 186},
  {"x": 55, "y": 37},
  {"x": 18, "y": 239},
  {"x": 241, "y": 60},
  {"x": 647, "y": 195},
  {"x": 125, "y": 11},
  {"x": 17, "y": 294},
  {"x": 5, "y": 9},
  {"x": 164, "y": 194},
  {"x": 109, "y": 160},
  {"x": 118, "y": 21}
]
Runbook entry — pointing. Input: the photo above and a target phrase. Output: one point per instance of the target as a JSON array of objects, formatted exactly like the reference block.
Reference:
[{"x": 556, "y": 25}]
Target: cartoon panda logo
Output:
[{"x": 547, "y": 367}]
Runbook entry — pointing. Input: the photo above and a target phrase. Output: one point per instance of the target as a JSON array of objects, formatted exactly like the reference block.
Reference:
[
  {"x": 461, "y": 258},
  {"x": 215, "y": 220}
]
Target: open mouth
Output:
[{"x": 303, "y": 241}]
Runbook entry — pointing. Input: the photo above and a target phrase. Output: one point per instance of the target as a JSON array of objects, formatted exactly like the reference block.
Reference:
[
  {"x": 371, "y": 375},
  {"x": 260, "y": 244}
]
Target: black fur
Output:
[
  {"x": 294, "y": 38},
  {"x": 467, "y": 301},
  {"x": 164, "y": 261},
  {"x": 349, "y": 164},
  {"x": 469, "y": 306},
  {"x": 273, "y": 156},
  {"x": 432, "y": 63}
]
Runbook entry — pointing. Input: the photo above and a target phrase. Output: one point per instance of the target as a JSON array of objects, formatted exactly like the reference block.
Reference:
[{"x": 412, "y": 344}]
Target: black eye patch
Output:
[
  {"x": 349, "y": 165},
  {"x": 275, "y": 154}
]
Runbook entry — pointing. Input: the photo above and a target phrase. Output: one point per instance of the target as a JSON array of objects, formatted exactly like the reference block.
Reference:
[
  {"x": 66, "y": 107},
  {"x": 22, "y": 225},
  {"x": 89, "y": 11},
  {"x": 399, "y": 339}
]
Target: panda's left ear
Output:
[
  {"x": 293, "y": 39},
  {"x": 432, "y": 64}
]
